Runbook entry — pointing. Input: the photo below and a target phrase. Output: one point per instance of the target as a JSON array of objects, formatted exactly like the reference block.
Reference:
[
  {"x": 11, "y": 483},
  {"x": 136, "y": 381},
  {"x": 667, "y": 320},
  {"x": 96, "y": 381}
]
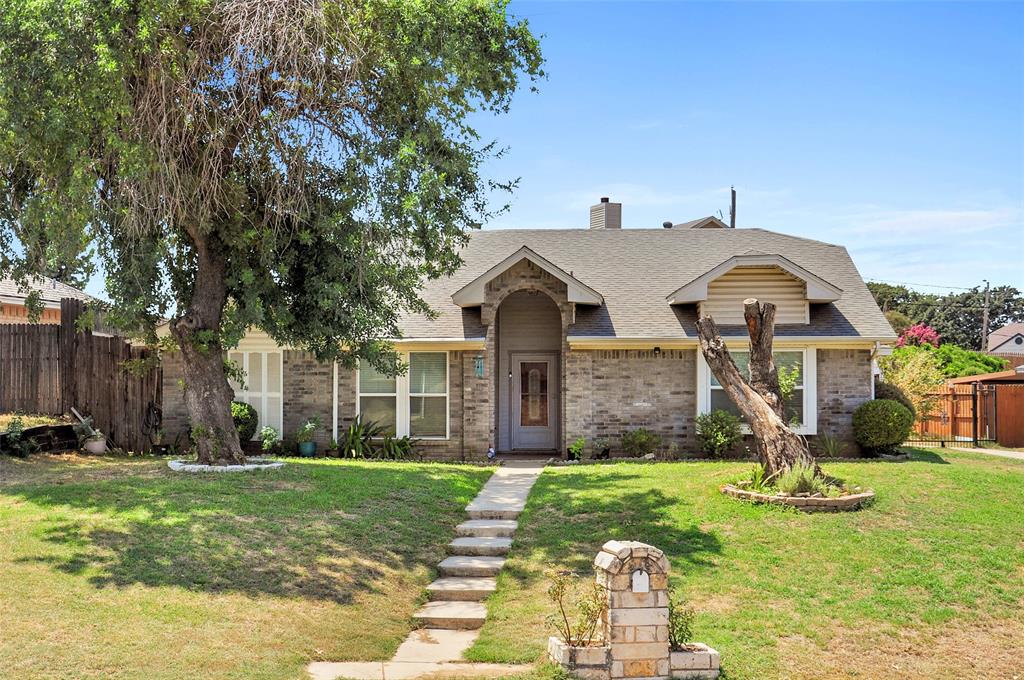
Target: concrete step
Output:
[
  {"x": 471, "y": 545},
  {"x": 493, "y": 511},
  {"x": 452, "y": 615},
  {"x": 465, "y": 565},
  {"x": 503, "y": 528},
  {"x": 462, "y": 588}
]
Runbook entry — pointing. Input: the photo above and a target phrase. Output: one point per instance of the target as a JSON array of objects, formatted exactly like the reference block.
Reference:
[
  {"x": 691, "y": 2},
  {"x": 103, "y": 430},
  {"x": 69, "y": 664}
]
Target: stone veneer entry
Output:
[
  {"x": 634, "y": 643},
  {"x": 452, "y": 618}
]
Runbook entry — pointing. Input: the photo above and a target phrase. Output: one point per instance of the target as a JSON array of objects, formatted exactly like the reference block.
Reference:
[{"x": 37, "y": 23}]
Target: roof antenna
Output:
[{"x": 732, "y": 210}]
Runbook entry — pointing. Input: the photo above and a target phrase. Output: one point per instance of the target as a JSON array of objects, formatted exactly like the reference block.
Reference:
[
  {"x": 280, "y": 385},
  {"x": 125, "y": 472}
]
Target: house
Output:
[
  {"x": 1007, "y": 340},
  {"x": 12, "y": 299},
  {"x": 544, "y": 336}
]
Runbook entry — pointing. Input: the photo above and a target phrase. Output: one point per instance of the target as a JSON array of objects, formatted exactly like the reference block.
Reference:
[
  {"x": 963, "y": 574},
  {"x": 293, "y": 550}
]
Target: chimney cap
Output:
[
  {"x": 604, "y": 199},
  {"x": 666, "y": 224}
]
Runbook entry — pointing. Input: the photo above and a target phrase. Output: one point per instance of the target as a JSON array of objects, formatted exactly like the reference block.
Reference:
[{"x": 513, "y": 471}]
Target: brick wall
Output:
[
  {"x": 612, "y": 391},
  {"x": 175, "y": 416},
  {"x": 844, "y": 383},
  {"x": 307, "y": 393}
]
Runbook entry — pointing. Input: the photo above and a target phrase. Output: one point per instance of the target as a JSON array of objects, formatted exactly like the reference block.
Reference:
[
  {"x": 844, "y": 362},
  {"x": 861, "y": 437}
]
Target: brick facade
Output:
[
  {"x": 844, "y": 383},
  {"x": 307, "y": 393},
  {"x": 611, "y": 391}
]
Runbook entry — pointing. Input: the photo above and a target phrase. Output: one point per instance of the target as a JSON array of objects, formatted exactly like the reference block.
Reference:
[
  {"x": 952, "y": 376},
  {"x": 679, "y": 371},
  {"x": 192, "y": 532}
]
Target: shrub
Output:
[
  {"x": 881, "y": 425},
  {"x": 801, "y": 479},
  {"x": 680, "y": 623},
  {"x": 576, "y": 448},
  {"x": 246, "y": 420},
  {"x": 918, "y": 334},
  {"x": 717, "y": 432},
  {"x": 269, "y": 441},
  {"x": 915, "y": 371},
  {"x": 17, "y": 444},
  {"x": 830, "y": 446},
  {"x": 580, "y": 605},
  {"x": 884, "y": 390},
  {"x": 957, "y": 362},
  {"x": 640, "y": 442},
  {"x": 357, "y": 441}
]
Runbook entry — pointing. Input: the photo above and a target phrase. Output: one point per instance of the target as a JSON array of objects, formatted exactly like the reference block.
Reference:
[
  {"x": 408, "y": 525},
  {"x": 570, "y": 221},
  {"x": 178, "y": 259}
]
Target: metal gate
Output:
[{"x": 960, "y": 414}]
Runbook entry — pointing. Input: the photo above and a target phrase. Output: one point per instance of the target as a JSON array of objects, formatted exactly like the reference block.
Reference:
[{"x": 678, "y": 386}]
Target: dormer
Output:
[
  {"x": 720, "y": 292},
  {"x": 473, "y": 294}
]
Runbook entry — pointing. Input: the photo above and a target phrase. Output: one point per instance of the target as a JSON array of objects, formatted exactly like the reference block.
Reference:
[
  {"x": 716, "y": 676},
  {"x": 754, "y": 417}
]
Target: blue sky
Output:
[{"x": 895, "y": 129}]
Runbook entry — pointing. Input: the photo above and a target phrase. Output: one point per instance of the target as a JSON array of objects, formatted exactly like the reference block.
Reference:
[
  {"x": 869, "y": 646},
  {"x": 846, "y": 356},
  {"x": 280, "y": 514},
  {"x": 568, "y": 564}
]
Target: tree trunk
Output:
[
  {"x": 207, "y": 392},
  {"x": 759, "y": 400}
]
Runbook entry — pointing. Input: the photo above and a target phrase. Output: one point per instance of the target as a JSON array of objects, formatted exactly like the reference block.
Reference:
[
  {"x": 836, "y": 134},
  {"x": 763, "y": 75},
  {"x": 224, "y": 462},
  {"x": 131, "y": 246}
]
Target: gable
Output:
[
  {"x": 1011, "y": 345},
  {"x": 473, "y": 293},
  {"x": 726, "y": 294}
]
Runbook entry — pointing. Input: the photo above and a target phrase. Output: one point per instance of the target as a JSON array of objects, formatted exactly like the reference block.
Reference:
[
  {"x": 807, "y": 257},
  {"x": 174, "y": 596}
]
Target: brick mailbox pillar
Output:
[{"x": 635, "y": 576}]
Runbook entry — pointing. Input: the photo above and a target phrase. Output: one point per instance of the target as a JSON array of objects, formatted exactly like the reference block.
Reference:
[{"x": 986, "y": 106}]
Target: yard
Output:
[{"x": 117, "y": 568}]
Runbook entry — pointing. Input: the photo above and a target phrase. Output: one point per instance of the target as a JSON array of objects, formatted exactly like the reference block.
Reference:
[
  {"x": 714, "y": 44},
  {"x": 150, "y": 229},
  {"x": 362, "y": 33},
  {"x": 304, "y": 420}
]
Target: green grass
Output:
[
  {"x": 930, "y": 575},
  {"x": 115, "y": 568}
]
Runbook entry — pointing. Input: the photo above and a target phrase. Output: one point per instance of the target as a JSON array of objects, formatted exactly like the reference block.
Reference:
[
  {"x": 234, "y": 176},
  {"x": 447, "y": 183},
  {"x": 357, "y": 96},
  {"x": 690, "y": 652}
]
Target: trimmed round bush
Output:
[
  {"x": 246, "y": 420},
  {"x": 884, "y": 390},
  {"x": 881, "y": 425}
]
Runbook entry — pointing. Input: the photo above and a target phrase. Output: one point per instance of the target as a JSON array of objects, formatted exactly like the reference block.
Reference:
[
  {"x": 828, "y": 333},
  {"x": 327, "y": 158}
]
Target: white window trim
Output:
[
  {"x": 810, "y": 376},
  {"x": 402, "y": 396},
  {"x": 243, "y": 395}
]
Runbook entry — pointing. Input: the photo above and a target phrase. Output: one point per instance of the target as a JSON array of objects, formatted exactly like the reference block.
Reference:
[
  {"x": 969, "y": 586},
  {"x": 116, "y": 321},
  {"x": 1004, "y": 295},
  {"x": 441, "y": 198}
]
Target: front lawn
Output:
[
  {"x": 926, "y": 583},
  {"x": 118, "y": 568}
]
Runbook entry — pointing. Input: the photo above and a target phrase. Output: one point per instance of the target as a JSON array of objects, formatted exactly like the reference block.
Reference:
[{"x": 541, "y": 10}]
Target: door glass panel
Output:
[{"x": 533, "y": 394}]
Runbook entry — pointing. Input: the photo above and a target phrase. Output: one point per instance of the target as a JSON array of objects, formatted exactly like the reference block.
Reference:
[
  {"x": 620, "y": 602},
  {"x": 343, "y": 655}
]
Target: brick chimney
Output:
[{"x": 606, "y": 215}]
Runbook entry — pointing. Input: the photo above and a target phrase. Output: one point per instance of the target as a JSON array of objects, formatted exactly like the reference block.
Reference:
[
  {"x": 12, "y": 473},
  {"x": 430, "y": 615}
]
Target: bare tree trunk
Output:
[
  {"x": 759, "y": 399},
  {"x": 207, "y": 392}
]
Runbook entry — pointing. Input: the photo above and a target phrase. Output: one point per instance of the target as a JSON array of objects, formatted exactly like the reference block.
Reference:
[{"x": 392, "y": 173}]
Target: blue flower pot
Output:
[{"x": 307, "y": 449}]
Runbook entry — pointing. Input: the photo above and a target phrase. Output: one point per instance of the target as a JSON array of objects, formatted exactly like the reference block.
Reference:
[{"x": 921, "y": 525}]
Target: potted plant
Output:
[
  {"x": 580, "y": 609},
  {"x": 304, "y": 437},
  {"x": 602, "y": 448},
  {"x": 575, "y": 450},
  {"x": 89, "y": 438}
]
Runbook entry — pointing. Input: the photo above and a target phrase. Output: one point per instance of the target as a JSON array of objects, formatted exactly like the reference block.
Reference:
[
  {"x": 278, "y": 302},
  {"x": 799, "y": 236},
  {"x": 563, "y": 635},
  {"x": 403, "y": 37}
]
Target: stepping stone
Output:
[
  {"x": 487, "y": 527},
  {"x": 464, "y": 565},
  {"x": 435, "y": 644},
  {"x": 452, "y": 615},
  {"x": 471, "y": 545},
  {"x": 464, "y": 588}
]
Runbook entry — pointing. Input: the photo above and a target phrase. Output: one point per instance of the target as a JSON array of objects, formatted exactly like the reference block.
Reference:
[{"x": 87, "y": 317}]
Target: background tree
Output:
[
  {"x": 295, "y": 165},
  {"x": 957, "y": 317},
  {"x": 759, "y": 397}
]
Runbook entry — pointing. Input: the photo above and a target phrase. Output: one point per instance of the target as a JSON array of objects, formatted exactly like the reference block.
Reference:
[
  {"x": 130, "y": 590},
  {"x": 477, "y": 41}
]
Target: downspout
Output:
[{"x": 334, "y": 398}]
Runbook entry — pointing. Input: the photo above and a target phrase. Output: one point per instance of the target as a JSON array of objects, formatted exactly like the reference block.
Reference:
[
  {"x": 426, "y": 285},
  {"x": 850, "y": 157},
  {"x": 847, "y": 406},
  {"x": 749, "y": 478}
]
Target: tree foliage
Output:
[
  {"x": 300, "y": 166},
  {"x": 914, "y": 371},
  {"x": 956, "y": 317}
]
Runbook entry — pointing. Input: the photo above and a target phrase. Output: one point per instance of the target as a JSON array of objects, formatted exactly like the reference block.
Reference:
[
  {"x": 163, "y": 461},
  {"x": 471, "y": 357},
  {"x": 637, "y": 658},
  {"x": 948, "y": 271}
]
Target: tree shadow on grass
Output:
[
  {"x": 312, "y": 530},
  {"x": 918, "y": 455},
  {"x": 570, "y": 516}
]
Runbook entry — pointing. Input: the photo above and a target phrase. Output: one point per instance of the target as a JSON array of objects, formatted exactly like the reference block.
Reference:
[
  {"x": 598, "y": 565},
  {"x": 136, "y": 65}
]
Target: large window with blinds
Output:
[{"x": 415, "y": 403}]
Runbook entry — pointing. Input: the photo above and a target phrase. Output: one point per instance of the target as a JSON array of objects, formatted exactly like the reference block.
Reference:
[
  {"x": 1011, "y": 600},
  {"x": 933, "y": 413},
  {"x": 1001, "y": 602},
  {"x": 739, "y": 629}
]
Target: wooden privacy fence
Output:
[
  {"x": 977, "y": 413},
  {"x": 51, "y": 369}
]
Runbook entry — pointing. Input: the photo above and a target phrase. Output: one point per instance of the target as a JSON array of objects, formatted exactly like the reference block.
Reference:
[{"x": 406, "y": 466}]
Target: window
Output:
[
  {"x": 801, "y": 411},
  {"x": 414, "y": 404},
  {"x": 263, "y": 385}
]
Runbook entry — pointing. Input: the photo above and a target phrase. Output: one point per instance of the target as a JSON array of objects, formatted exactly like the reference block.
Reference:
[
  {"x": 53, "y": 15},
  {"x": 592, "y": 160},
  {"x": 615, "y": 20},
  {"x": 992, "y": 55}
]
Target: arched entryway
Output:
[{"x": 529, "y": 345}]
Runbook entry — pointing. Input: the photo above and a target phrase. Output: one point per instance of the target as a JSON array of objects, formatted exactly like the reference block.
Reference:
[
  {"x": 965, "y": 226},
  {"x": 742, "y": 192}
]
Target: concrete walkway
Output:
[
  {"x": 452, "y": 618},
  {"x": 1017, "y": 455}
]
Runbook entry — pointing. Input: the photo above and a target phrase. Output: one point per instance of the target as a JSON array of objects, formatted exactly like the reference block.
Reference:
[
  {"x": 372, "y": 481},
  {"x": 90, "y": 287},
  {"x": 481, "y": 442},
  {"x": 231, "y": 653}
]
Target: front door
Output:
[{"x": 534, "y": 401}]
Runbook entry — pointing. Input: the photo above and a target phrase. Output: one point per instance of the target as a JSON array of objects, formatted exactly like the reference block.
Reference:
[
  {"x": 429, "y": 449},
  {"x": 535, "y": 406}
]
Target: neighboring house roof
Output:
[
  {"x": 709, "y": 222},
  {"x": 1014, "y": 375},
  {"x": 1009, "y": 338},
  {"x": 634, "y": 270},
  {"x": 51, "y": 291}
]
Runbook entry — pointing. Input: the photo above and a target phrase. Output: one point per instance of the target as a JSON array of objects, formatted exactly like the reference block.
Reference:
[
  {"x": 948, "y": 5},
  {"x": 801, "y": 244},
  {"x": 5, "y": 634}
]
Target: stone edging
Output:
[
  {"x": 805, "y": 503},
  {"x": 254, "y": 464}
]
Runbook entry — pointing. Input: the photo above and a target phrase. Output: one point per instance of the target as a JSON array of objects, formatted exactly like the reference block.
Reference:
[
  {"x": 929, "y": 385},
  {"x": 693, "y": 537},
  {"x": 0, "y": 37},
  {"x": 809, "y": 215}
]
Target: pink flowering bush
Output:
[{"x": 917, "y": 335}]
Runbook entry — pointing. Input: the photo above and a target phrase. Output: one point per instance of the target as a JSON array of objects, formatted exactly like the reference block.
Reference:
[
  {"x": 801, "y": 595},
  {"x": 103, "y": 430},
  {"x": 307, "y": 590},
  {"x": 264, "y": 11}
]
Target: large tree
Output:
[
  {"x": 300, "y": 166},
  {"x": 758, "y": 395}
]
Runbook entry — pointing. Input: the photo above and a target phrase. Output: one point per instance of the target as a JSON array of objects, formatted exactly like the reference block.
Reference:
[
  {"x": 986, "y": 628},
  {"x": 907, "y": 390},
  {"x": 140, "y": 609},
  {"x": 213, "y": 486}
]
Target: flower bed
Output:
[
  {"x": 589, "y": 663},
  {"x": 805, "y": 502},
  {"x": 699, "y": 661}
]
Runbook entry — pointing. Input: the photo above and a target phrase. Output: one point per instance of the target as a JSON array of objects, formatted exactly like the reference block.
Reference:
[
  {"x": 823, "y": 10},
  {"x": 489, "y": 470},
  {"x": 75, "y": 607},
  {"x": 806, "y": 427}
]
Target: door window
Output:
[{"x": 533, "y": 394}]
